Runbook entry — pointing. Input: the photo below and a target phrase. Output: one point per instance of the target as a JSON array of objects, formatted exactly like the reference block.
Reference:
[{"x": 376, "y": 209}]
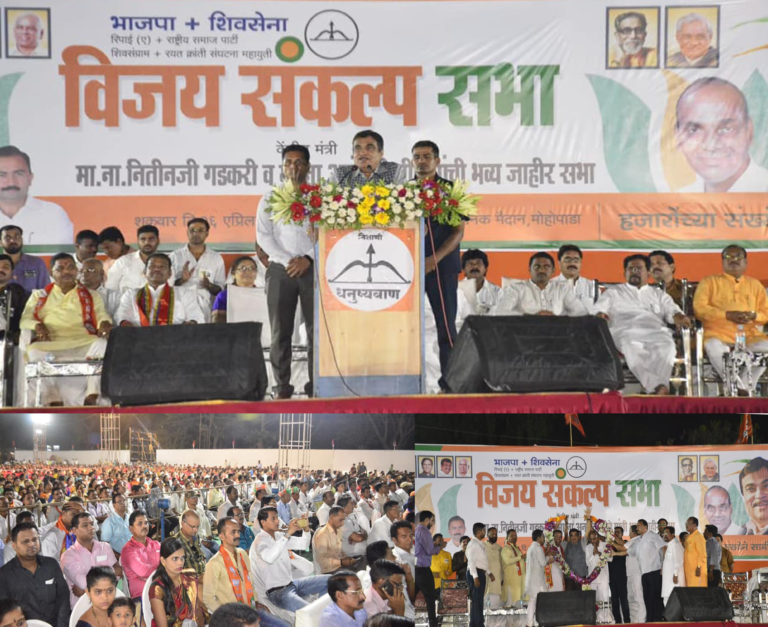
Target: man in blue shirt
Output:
[
  {"x": 348, "y": 598},
  {"x": 115, "y": 528}
]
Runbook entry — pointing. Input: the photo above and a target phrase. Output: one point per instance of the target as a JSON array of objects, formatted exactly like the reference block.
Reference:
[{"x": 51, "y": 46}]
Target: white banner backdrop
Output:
[{"x": 520, "y": 488}]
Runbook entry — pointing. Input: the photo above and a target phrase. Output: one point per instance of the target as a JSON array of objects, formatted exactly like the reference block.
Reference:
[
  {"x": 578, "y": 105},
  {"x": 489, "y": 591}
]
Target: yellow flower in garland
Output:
[
  {"x": 363, "y": 211},
  {"x": 381, "y": 191},
  {"x": 366, "y": 218},
  {"x": 367, "y": 202},
  {"x": 367, "y": 190},
  {"x": 382, "y": 218},
  {"x": 384, "y": 203}
]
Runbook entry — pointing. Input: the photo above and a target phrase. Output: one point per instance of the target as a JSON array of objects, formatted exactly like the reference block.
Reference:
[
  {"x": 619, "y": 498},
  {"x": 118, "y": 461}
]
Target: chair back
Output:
[
  {"x": 34, "y": 622},
  {"x": 146, "y": 608},
  {"x": 81, "y": 607},
  {"x": 309, "y": 615}
]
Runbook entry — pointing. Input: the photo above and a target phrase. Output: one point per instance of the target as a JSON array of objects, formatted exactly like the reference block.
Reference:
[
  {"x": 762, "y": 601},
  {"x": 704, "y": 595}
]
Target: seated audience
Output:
[
  {"x": 34, "y": 581},
  {"x": 663, "y": 272},
  {"x": 123, "y": 613},
  {"x": 385, "y": 595},
  {"x": 234, "y": 615},
  {"x": 101, "y": 588},
  {"x": 174, "y": 595},
  {"x": 327, "y": 544},
  {"x": 477, "y": 295},
  {"x": 348, "y": 598},
  {"x": 141, "y": 555}
]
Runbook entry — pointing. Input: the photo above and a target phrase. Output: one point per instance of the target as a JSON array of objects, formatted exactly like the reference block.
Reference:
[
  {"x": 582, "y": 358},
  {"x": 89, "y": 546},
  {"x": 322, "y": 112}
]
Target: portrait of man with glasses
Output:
[{"x": 631, "y": 29}]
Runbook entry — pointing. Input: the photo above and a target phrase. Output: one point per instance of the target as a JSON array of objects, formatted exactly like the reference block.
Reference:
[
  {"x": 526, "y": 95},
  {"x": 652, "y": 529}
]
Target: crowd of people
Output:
[
  {"x": 633, "y": 576},
  {"x": 270, "y": 540}
]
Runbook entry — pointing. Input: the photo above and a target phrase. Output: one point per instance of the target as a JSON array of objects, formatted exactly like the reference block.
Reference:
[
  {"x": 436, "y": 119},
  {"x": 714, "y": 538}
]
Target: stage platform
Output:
[{"x": 561, "y": 403}]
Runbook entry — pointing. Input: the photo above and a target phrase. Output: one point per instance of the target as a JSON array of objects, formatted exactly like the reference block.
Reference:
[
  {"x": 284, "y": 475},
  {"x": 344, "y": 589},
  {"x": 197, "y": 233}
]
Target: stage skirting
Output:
[{"x": 579, "y": 403}]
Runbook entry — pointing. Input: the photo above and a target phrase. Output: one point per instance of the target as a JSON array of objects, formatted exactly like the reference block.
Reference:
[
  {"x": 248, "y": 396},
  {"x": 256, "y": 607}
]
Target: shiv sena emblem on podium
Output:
[{"x": 369, "y": 270}]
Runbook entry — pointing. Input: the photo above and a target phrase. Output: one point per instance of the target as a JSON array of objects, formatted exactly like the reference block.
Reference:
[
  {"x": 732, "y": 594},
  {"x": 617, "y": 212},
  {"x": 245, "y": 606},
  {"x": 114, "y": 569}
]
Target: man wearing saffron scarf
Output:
[
  {"x": 227, "y": 576},
  {"x": 57, "y": 537},
  {"x": 70, "y": 323},
  {"x": 158, "y": 303}
]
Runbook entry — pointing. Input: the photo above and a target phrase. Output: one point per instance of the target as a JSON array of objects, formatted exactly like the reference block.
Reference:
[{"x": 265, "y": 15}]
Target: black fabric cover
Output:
[
  {"x": 186, "y": 362},
  {"x": 575, "y": 607},
  {"x": 533, "y": 354},
  {"x": 699, "y": 605}
]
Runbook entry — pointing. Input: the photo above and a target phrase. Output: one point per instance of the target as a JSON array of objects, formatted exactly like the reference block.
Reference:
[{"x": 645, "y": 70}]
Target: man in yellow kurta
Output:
[
  {"x": 695, "y": 556},
  {"x": 729, "y": 301},
  {"x": 513, "y": 562},
  {"x": 441, "y": 564},
  {"x": 70, "y": 323}
]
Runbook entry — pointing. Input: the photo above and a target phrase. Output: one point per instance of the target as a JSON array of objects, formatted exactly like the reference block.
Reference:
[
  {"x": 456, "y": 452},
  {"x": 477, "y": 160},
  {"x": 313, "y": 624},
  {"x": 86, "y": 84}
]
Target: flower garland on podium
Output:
[
  {"x": 598, "y": 525},
  {"x": 372, "y": 204}
]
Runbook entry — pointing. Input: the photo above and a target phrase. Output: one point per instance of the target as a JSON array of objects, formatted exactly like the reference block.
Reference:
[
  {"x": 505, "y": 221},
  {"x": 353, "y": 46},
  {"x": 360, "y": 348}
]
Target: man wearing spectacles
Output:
[
  {"x": 91, "y": 275},
  {"x": 694, "y": 37},
  {"x": 348, "y": 598},
  {"x": 731, "y": 303},
  {"x": 631, "y": 31}
]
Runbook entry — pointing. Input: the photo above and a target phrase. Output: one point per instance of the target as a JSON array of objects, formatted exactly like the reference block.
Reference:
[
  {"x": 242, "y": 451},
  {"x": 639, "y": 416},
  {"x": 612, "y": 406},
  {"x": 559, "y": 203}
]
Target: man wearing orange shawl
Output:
[{"x": 70, "y": 323}]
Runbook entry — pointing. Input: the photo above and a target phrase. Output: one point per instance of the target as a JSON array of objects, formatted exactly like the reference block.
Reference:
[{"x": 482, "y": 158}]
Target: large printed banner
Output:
[
  {"x": 607, "y": 123},
  {"x": 520, "y": 488}
]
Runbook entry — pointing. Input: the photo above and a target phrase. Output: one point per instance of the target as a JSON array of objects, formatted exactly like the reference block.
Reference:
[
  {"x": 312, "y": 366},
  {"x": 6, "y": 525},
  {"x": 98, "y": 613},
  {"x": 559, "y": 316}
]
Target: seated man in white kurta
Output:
[
  {"x": 569, "y": 257},
  {"x": 538, "y": 296},
  {"x": 158, "y": 303},
  {"x": 637, "y": 315},
  {"x": 70, "y": 323},
  {"x": 477, "y": 295}
]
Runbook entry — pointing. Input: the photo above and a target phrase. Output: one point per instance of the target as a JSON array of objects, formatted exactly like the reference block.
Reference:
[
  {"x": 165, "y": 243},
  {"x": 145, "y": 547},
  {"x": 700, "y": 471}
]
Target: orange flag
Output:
[
  {"x": 745, "y": 429},
  {"x": 573, "y": 419}
]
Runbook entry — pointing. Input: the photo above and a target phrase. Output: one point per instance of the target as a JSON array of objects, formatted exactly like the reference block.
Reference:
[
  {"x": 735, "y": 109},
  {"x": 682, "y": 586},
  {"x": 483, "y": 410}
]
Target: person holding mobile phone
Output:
[{"x": 385, "y": 596}]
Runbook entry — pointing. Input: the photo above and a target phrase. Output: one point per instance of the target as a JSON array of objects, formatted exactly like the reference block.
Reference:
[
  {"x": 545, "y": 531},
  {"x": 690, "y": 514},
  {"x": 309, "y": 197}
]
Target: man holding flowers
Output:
[{"x": 289, "y": 277}]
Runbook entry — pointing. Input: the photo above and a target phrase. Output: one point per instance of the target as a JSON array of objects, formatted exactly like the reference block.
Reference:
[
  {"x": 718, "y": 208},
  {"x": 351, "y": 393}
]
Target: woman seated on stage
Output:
[
  {"x": 244, "y": 273},
  {"x": 101, "y": 588},
  {"x": 174, "y": 596}
]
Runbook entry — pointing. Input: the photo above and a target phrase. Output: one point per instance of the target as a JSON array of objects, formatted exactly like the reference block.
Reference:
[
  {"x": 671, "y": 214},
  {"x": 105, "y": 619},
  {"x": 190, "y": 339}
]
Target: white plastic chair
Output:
[
  {"x": 34, "y": 622},
  {"x": 146, "y": 607},
  {"x": 309, "y": 616},
  {"x": 81, "y": 607}
]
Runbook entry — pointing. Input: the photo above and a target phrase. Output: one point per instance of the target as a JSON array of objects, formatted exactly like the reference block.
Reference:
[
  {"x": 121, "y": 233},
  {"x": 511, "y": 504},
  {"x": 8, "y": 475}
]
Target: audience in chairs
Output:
[{"x": 174, "y": 593}]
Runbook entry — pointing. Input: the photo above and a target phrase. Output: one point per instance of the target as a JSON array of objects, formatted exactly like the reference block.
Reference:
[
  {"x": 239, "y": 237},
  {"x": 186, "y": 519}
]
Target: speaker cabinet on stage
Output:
[
  {"x": 699, "y": 605},
  {"x": 575, "y": 607},
  {"x": 186, "y": 362},
  {"x": 533, "y": 354}
]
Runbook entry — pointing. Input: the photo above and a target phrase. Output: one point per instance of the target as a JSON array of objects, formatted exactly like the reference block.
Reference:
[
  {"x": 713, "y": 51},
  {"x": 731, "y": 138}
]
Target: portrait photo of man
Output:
[
  {"x": 687, "y": 468},
  {"x": 464, "y": 466},
  {"x": 753, "y": 483},
  {"x": 714, "y": 131},
  {"x": 691, "y": 37},
  {"x": 710, "y": 468},
  {"x": 718, "y": 510},
  {"x": 632, "y": 37},
  {"x": 426, "y": 469},
  {"x": 27, "y": 33},
  {"x": 445, "y": 467}
]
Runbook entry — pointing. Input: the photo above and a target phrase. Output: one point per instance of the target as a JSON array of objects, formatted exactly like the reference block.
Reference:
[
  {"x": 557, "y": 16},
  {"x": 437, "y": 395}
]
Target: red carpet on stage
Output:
[{"x": 564, "y": 403}]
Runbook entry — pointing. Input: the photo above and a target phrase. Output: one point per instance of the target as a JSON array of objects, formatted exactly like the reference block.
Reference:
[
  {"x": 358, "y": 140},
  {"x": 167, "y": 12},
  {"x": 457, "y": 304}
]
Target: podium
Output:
[{"x": 369, "y": 303}]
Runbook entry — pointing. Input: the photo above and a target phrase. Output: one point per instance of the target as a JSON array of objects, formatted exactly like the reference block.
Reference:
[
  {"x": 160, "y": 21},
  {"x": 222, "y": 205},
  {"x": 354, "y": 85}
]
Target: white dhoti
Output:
[
  {"x": 716, "y": 350},
  {"x": 649, "y": 353},
  {"x": 68, "y": 390}
]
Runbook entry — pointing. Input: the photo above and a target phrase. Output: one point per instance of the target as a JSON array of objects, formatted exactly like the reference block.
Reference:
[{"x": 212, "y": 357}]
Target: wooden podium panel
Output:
[{"x": 368, "y": 312}]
